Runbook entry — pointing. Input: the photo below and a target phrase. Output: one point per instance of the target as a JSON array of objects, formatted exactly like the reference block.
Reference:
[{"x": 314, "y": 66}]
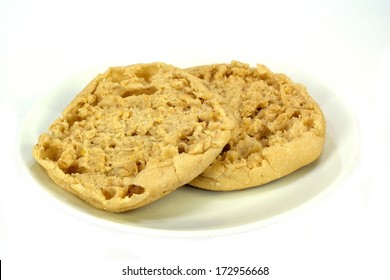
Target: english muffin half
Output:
[
  {"x": 280, "y": 128},
  {"x": 133, "y": 135}
]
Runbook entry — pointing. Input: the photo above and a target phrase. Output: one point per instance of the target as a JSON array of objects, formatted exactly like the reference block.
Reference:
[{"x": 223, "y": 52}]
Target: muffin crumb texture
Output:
[
  {"x": 275, "y": 117},
  {"x": 128, "y": 120}
]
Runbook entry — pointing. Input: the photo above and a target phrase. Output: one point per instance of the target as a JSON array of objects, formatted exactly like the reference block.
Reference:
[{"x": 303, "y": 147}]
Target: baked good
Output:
[
  {"x": 133, "y": 135},
  {"x": 280, "y": 128}
]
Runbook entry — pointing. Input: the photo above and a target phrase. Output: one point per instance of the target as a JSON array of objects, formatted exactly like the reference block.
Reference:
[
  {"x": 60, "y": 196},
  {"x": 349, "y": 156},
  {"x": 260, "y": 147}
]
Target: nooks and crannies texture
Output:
[
  {"x": 133, "y": 135},
  {"x": 280, "y": 128}
]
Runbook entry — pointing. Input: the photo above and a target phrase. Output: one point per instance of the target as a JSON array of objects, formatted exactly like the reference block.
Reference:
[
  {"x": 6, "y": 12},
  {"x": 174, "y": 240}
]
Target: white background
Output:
[{"x": 343, "y": 44}]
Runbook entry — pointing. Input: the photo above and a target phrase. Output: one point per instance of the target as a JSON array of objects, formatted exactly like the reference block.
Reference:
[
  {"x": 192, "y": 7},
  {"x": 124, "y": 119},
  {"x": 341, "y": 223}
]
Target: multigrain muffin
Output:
[
  {"x": 280, "y": 128},
  {"x": 134, "y": 135}
]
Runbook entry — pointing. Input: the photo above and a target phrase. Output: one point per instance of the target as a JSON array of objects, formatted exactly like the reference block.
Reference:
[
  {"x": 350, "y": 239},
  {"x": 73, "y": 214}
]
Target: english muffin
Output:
[
  {"x": 280, "y": 128},
  {"x": 133, "y": 135}
]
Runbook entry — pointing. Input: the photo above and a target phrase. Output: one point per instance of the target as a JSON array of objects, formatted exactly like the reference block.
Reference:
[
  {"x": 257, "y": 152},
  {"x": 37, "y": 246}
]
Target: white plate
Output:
[{"x": 193, "y": 212}]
